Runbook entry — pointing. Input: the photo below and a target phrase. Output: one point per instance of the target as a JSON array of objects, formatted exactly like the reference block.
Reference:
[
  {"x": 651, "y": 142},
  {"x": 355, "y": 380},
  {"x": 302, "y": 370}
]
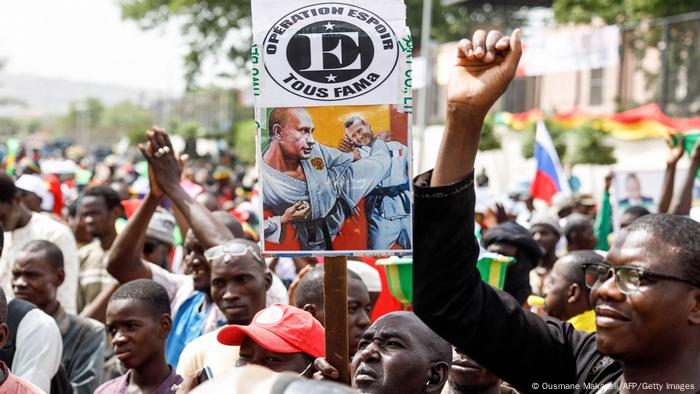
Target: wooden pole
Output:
[{"x": 335, "y": 298}]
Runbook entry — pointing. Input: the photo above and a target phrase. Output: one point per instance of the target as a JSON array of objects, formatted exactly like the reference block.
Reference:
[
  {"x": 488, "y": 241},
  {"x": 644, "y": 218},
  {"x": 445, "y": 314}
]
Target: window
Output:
[{"x": 596, "y": 92}]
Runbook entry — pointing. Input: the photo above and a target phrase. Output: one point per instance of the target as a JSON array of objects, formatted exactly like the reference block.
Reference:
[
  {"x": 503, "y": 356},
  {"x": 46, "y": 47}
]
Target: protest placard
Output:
[{"x": 332, "y": 97}]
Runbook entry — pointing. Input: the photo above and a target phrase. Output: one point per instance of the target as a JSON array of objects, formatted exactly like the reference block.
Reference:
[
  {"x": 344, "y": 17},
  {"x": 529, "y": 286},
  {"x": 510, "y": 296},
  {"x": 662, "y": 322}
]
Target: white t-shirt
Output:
[
  {"x": 39, "y": 349},
  {"x": 207, "y": 351},
  {"x": 43, "y": 227},
  {"x": 286, "y": 269},
  {"x": 277, "y": 293}
]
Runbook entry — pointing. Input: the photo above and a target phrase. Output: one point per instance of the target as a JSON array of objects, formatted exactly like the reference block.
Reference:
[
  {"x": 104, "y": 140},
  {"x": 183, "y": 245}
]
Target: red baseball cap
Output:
[{"x": 281, "y": 329}]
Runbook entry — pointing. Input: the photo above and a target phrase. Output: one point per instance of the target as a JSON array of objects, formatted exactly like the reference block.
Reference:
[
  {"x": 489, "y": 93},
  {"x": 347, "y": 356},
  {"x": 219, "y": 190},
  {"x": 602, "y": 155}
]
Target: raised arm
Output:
[
  {"x": 124, "y": 262},
  {"x": 166, "y": 173},
  {"x": 685, "y": 200},
  {"x": 674, "y": 154},
  {"x": 484, "y": 68}
]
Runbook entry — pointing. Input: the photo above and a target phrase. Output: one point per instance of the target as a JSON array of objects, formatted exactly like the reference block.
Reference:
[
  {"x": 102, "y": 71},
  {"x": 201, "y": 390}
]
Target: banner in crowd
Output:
[
  {"x": 552, "y": 52},
  {"x": 332, "y": 93},
  {"x": 647, "y": 121}
]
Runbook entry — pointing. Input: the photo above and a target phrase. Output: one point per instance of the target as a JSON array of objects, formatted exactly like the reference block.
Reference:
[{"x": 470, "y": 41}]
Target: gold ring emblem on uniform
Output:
[{"x": 317, "y": 162}]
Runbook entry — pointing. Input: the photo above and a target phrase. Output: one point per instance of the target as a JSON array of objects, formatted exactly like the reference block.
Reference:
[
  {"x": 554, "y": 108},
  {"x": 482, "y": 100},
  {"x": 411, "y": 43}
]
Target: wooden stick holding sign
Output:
[{"x": 335, "y": 299}]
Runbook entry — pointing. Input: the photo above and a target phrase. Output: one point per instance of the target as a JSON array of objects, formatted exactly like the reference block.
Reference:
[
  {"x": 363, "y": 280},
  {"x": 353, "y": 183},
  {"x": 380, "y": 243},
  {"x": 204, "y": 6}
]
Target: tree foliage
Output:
[
  {"x": 211, "y": 27},
  {"x": 125, "y": 118},
  {"x": 644, "y": 30},
  {"x": 243, "y": 141},
  {"x": 105, "y": 124},
  {"x": 489, "y": 140},
  {"x": 580, "y": 145},
  {"x": 587, "y": 146},
  {"x": 83, "y": 115},
  {"x": 620, "y": 11},
  {"x": 216, "y": 28}
]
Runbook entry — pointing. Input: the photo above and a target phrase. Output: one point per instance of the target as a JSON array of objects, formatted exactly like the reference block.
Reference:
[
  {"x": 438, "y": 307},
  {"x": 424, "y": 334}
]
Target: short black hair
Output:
[
  {"x": 637, "y": 210},
  {"x": 52, "y": 252},
  {"x": 110, "y": 195},
  {"x": 310, "y": 288},
  {"x": 231, "y": 223},
  {"x": 573, "y": 262},
  {"x": 2, "y": 238},
  {"x": 680, "y": 235},
  {"x": 8, "y": 190},
  {"x": 73, "y": 208},
  {"x": 150, "y": 244},
  {"x": 147, "y": 291},
  {"x": 576, "y": 223},
  {"x": 3, "y": 306}
]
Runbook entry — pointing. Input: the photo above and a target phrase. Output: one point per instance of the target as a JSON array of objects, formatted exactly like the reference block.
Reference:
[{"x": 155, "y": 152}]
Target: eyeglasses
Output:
[
  {"x": 627, "y": 278},
  {"x": 231, "y": 249}
]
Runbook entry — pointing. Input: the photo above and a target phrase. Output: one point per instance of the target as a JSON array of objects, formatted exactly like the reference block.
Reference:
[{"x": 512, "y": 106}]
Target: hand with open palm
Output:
[{"x": 485, "y": 66}]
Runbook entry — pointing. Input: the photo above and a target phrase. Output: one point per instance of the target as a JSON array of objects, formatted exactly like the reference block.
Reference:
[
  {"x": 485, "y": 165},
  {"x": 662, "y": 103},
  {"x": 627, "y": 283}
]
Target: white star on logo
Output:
[
  {"x": 328, "y": 26},
  {"x": 331, "y": 78}
]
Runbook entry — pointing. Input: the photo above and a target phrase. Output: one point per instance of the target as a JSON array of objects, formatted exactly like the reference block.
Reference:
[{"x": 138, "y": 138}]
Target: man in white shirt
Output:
[
  {"x": 21, "y": 226},
  {"x": 31, "y": 359}
]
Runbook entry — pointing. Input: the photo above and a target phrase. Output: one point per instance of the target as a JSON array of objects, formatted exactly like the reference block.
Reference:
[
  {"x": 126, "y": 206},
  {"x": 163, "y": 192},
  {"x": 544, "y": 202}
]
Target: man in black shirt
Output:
[{"x": 648, "y": 316}]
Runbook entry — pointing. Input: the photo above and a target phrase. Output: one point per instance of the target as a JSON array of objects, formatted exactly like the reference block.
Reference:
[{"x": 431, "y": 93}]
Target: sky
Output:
[{"x": 86, "y": 40}]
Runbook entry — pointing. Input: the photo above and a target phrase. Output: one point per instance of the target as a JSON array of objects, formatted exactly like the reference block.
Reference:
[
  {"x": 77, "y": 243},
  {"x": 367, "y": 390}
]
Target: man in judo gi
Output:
[
  {"x": 388, "y": 206},
  {"x": 310, "y": 186}
]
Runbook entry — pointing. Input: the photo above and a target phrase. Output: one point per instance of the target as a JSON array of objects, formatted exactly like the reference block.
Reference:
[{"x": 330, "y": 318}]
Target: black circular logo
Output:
[
  {"x": 329, "y": 52},
  {"x": 347, "y": 51}
]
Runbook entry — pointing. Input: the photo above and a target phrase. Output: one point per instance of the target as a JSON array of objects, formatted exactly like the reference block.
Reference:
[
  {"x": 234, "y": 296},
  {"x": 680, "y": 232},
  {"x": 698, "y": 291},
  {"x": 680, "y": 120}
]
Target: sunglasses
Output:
[
  {"x": 628, "y": 279},
  {"x": 231, "y": 249}
]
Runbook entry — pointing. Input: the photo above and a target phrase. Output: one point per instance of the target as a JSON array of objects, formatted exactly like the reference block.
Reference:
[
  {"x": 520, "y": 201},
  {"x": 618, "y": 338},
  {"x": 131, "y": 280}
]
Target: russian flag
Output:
[{"x": 549, "y": 178}]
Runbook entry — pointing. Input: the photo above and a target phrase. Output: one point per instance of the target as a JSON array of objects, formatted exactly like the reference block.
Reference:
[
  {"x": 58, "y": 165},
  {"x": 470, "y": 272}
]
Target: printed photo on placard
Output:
[
  {"x": 643, "y": 188},
  {"x": 335, "y": 179}
]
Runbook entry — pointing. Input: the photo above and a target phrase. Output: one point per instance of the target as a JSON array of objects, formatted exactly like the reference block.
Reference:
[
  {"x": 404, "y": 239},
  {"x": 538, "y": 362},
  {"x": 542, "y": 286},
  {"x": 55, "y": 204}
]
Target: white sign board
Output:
[
  {"x": 326, "y": 53},
  {"x": 551, "y": 52},
  {"x": 332, "y": 92}
]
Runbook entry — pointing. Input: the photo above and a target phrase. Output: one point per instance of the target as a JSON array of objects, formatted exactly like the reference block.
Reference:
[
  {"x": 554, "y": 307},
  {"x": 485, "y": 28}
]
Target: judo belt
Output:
[
  {"x": 376, "y": 196},
  {"x": 323, "y": 224}
]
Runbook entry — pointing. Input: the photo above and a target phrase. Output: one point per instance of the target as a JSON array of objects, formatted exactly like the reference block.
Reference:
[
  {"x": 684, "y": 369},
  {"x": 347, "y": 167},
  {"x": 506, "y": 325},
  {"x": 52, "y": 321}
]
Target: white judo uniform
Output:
[
  {"x": 388, "y": 206},
  {"x": 334, "y": 185}
]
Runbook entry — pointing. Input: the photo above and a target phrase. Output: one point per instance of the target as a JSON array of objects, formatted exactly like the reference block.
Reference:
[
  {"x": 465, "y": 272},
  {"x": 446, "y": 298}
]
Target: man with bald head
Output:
[
  {"x": 580, "y": 233},
  {"x": 397, "y": 354},
  {"x": 309, "y": 189},
  {"x": 567, "y": 297},
  {"x": 309, "y": 297}
]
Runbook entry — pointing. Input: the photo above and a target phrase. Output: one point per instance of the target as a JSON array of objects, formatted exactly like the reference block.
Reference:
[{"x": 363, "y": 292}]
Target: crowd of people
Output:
[{"x": 152, "y": 280}]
